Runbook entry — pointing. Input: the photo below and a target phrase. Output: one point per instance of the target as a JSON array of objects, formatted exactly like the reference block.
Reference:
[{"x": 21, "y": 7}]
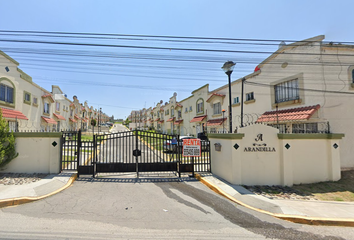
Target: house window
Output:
[
  {"x": 236, "y": 100},
  {"x": 46, "y": 108},
  {"x": 167, "y": 112},
  {"x": 158, "y": 114},
  {"x": 12, "y": 126},
  {"x": 57, "y": 106},
  {"x": 200, "y": 106},
  {"x": 282, "y": 127},
  {"x": 172, "y": 112},
  {"x": 249, "y": 96},
  {"x": 6, "y": 93},
  {"x": 217, "y": 108},
  {"x": 305, "y": 128},
  {"x": 35, "y": 101},
  {"x": 186, "y": 110},
  {"x": 287, "y": 91},
  {"x": 190, "y": 108},
  {"x": 27, "y": 97},
  {"x": 71, "y": 112},
  {"x": 179, "y": 114}
]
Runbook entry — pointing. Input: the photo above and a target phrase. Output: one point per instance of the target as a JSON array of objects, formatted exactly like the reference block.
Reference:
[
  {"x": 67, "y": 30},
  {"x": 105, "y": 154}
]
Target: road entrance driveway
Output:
[{"x": 154, "y": 207}]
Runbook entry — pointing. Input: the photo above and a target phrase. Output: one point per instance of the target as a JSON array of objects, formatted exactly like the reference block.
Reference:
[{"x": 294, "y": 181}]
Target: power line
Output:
[{"x": 157, "y": 36}]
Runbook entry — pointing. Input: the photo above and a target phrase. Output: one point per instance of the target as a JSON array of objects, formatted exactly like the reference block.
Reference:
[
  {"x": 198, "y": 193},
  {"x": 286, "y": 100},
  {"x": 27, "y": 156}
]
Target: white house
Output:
[{"x": 303, "y": 87}]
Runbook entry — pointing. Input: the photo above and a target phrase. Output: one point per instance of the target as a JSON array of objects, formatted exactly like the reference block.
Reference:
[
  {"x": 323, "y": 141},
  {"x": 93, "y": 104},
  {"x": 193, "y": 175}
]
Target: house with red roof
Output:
[
  {"x": 303, "y": 87},
  {"x": 26, "y": 106}
]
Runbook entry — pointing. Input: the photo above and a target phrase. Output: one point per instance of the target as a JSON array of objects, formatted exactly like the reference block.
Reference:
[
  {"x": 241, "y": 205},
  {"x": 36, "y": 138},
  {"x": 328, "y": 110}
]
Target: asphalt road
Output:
[{"x": 124, "y": 207}]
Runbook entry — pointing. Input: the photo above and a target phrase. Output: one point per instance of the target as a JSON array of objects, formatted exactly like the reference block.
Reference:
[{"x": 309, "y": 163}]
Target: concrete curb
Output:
[
  {"x": 21, "y": 200},
  {"x": 292, "y": 218}
]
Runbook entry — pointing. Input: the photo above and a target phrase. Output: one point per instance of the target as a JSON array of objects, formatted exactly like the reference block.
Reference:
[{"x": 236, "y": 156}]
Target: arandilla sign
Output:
[{"x": 259, "y": 146}]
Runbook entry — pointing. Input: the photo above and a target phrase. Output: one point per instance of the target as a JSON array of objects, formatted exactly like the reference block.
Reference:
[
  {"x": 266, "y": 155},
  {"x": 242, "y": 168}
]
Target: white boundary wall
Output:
[
  {"x": 263, "y": 159},
  {"x": 36, "y": 153}
]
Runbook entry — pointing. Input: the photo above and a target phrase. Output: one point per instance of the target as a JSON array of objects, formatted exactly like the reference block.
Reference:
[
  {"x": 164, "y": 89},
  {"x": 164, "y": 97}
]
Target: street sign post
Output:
[{"x": 191, "y": 147}]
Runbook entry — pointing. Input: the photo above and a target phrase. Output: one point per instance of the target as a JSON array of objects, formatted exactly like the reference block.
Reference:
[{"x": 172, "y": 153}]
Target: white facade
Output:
[
  {"x": 308, "y": 74},
  {"x": 28, "y": 107}
]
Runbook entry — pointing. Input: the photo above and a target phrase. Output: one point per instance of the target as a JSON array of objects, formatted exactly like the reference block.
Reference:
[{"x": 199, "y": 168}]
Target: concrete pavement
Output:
[
  {"x": 298, "y": 211},
  {"x": 11, "y": 195},
  {"x": 306, "y": 212}
]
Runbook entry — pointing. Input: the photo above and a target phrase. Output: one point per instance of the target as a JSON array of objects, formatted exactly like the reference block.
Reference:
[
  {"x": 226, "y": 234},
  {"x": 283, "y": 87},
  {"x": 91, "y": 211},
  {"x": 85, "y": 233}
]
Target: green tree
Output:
[{"x": 7, "y": 143}]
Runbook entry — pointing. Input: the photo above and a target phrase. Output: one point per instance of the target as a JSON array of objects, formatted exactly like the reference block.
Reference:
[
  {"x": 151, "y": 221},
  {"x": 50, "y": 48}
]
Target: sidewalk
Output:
[
  {"x": 18, "y": 194},
  {"x": 306, "y": 212},
  {"x": 299, "y": 211}
]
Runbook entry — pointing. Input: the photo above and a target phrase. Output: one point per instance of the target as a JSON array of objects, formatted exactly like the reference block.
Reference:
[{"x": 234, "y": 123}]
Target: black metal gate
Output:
[{"x": 130, "y": 151}]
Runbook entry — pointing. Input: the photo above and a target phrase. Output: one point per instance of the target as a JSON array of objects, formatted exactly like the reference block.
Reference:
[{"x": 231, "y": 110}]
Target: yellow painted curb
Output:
[
  {"x": 21, "y": 200},
  {"x": 292, "y": 218}
]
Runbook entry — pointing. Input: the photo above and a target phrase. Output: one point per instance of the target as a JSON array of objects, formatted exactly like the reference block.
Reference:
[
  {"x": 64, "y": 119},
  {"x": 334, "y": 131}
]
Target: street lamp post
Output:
[
  {"x": 242, "y": 86},
  {"x": 223, "y": 128},
  {"x": 228, "y": 67},
  {"x": 100, "y": 116}
]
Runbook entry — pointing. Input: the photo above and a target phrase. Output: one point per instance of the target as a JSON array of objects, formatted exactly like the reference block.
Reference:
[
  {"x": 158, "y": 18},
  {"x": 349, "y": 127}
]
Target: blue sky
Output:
[{"x": 121, "y": 79}]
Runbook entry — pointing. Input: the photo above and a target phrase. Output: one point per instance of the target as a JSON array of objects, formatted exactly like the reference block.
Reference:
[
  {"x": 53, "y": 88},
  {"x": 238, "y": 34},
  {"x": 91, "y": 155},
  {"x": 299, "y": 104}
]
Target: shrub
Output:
[{"x": 7, "y": 143}]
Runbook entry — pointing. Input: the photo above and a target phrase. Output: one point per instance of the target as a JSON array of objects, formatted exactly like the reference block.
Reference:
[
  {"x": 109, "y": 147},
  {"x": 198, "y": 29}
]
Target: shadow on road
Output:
[{"x": 143, "y": 178}]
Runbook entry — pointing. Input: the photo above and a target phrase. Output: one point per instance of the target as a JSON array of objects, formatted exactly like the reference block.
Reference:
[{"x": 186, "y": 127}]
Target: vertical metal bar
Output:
[
  {"x": 150, "y": 143},
  {"x": 116, "y": 146},
  {"x": 193, "y": 166},
  {"x": 136, "y": 157},
  {"x": 78, "y": 140},
  {"x": 110, "y": 148},
  {"x": 209, "y": 158},
  {"x": 61, "y": 151},
  {"x": 242, "y": 87},
  {"x": 178, "y": 157},
  {"x": 93, "y": 159},
  {"x": 129, "y": 144}
]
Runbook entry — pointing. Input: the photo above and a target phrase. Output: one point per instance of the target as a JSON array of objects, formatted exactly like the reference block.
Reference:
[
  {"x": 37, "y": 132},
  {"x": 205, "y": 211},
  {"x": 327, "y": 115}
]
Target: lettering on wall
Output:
[{"x": 259, "y": 145}]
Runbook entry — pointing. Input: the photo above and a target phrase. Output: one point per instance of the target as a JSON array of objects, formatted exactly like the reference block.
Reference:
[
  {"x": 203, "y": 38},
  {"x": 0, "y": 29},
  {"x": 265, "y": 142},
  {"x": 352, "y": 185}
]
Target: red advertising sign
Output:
[{"x": 191, "y": 147}]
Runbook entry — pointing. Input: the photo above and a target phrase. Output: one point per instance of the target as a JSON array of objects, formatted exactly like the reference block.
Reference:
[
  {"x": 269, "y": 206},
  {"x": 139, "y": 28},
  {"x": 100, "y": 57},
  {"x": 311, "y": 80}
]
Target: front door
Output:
[{"x": 198, "y": 129}]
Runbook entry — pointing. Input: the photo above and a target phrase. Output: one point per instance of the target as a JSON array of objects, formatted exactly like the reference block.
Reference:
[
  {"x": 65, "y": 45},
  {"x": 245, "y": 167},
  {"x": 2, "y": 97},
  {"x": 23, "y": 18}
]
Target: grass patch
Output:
[
  {"x": 342, "y": 190},
  {"x": 87, "y": 137}
]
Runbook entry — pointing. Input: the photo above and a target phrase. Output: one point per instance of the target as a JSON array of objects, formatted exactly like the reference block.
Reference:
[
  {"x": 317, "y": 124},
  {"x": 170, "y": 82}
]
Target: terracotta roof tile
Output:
[
  {"x": 215, "y": 94},
  {"x": 171, "y": 119},
  {"x": 60, "y": 117},
  {"x": 177, "y": 122},
  {"x": 13, "y": 114},
  {"x": 48, "y": 96},
  {"x": 49, "y": 120},
  {"x": 198, "y": 119},
  {"x": 215, "y": 122},
  {"x": 293, "y": 114},
  {"x": 73, "y": 120}
]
